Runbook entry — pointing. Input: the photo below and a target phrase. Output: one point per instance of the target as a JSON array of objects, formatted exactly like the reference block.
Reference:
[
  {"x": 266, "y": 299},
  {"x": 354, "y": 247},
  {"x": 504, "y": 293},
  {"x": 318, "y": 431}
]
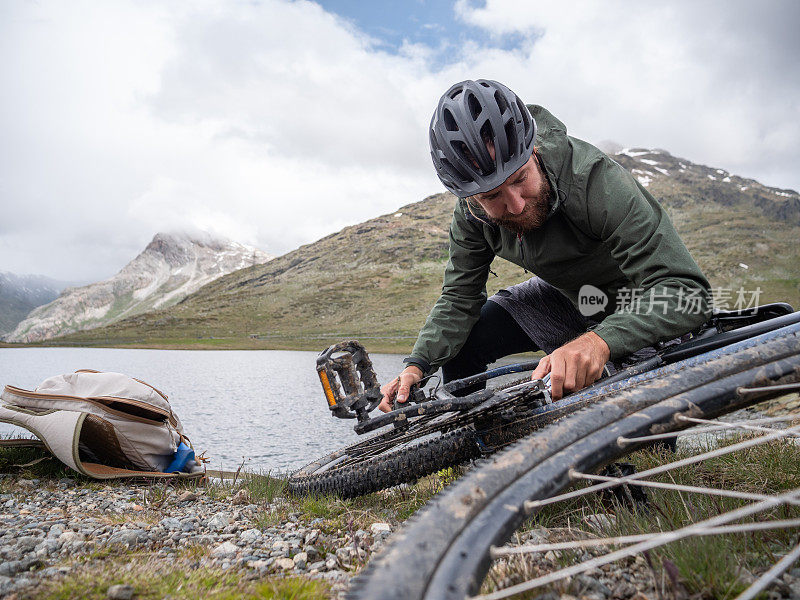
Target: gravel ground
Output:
[{"x": 54, "y": 529}]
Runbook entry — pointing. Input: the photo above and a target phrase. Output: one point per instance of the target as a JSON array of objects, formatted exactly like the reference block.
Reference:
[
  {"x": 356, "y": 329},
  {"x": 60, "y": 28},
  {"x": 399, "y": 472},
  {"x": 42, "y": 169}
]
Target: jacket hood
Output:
[{"x": 554, "y": 149}]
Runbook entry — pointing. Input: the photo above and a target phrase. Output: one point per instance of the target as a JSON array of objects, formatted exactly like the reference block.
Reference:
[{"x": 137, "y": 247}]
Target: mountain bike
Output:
[
  {"x": 474, "y": 539},
  {"x": 436, "y": 429}
]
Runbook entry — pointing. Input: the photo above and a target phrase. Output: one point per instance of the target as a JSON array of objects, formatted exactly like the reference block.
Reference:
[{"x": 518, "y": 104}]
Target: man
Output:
[{"x": 560, "y": 208}]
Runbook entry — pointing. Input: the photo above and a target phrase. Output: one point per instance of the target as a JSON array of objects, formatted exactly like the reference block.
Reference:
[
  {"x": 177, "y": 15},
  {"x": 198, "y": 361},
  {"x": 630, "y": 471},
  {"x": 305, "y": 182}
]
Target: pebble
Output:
[
  {"x": 600, "y": 521},
  {"x": 249, "y": 536},
  {"x": 300, "y": 560},
  {"x": 285, "y": 563},
  {"x": 225, "y": 549},
  {"x": 120, "y": 592},
  {"x": 218, "y": 522}
]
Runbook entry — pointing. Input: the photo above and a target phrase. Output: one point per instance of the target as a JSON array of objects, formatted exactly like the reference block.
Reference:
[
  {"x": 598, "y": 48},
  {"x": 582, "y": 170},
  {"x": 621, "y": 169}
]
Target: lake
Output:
[{"x": 265, "y": 407}]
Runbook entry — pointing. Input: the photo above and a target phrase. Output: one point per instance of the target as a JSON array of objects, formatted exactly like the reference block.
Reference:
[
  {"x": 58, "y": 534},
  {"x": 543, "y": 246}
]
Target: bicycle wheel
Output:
[
  {"x": 446, "y": 550},
  {"x": 386, "y": 460},
  {"x": 431, "y": 443}
]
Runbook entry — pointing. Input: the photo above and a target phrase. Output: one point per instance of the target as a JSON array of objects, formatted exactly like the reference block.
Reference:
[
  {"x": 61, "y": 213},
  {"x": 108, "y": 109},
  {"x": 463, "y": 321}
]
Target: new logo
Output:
[{"x": 591, "y": 300}]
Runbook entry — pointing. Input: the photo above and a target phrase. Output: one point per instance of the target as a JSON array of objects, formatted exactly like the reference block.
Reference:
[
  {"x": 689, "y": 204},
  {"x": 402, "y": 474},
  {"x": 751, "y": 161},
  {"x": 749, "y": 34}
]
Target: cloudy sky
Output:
[{"x": 276, "y": 122}]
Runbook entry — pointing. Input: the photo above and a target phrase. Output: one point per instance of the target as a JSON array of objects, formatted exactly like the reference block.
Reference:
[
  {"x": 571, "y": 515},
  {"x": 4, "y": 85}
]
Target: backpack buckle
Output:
[{"x": 348, "y": 380}]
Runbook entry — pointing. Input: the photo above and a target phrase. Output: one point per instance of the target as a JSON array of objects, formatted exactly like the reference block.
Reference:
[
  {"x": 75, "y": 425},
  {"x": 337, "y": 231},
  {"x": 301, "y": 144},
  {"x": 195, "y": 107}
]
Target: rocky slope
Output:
[
  {"x": 378, "y": 279},
  {"x": 20, "y": 294},
  {"x": 172, "y": 266}
]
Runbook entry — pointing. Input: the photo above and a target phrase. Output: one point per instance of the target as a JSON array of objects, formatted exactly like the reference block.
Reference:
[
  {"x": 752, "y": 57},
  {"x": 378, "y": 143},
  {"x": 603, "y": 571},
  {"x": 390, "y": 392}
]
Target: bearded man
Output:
[{"x": 560, "y": 208}]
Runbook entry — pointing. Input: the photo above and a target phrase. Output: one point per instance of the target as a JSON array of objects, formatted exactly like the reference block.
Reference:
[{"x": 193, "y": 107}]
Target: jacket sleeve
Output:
[
  {"x": 463, "y": 294},
  {"x": 669, "y": 295}
]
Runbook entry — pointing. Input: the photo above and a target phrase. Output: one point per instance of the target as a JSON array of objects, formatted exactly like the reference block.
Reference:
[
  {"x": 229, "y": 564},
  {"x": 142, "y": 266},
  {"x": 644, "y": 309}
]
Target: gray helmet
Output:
[{"x": 470, "y": 114}]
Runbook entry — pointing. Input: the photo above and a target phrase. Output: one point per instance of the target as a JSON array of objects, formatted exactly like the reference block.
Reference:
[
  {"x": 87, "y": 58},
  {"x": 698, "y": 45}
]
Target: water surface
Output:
[{"x": 263, "y": 407}]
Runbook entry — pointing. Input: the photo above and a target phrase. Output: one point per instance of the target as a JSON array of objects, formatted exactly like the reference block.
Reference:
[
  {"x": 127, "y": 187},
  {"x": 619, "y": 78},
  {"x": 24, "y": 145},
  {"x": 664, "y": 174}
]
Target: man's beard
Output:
[{"x": 535, "y": 212}]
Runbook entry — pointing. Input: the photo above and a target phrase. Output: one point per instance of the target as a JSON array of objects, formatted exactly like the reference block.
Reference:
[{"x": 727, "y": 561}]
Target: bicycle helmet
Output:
[{"x": 469, "y": 115}]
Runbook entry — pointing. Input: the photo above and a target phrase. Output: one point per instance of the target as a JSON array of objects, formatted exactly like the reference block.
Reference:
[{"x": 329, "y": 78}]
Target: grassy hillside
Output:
[{"x": 377, "y": 280}]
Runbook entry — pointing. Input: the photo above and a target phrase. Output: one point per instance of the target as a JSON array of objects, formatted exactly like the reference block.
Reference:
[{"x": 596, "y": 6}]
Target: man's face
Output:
[{"x": 522, "y": 202}]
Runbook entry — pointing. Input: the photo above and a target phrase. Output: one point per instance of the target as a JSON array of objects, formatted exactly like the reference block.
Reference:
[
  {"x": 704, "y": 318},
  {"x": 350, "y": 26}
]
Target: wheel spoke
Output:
[
  {"x": 653, "y": 542},
  {"x": 673, "y": 486},
  {"x": 631, "y": 539},
  {"x": 534, "y": 504},
  {"x": 762, "y": 582},
  {"x": 712, "y": 428}
]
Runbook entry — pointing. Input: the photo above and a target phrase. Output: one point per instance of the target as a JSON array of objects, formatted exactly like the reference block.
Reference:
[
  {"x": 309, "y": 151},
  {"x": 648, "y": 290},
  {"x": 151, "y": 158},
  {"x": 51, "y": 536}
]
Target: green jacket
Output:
[{"x": 603, "y": 229}]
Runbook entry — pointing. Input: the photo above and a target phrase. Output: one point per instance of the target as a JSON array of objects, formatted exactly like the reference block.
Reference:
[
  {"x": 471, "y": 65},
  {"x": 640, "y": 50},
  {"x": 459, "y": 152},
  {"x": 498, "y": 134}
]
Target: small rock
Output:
[
  {"x": 600, "y": 521},
  {"x": 188, "y": 525},
  {"x": 311, "y": 551},
  {"x": 623, "y": 590},
  {"x": 27, "y": 543},
  {"x": 311, "y": 536},
  {"x": 317, "y": 566},
  {"x": 126, "y": 537},
  {"x": 284, "y": 563},
  {"x": 582, "y": 584},
  {"x": 170, "y": 523},
  {"x": 10, "y": 568},
  {"x": 380, "y": 528},
  {"x": 300, "y": 560},
  {"x": 120, "y": 592},
  {"x": 249, "y": 536},
  {"x": 343, "y": 554},
  {"x": 331, "y": 564},
  {"x": 55, "y": 531},
  {"x": 551, "y": 555},
  {"x": 225, "y": 550},
  {"x": 219, "y": 521},
  {"x": 241, "y": 497},
  {"x": 187, "y": 496}
]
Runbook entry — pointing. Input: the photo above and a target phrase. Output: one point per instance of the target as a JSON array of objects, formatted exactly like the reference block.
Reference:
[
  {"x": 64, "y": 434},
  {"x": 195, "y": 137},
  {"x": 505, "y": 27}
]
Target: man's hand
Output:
[
  {"x": 574, "y": 365},
  {"x": 401, "y": 387}
]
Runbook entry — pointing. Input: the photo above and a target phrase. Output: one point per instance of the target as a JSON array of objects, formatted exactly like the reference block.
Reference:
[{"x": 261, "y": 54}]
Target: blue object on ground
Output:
[{"x": 182, "y": 455}]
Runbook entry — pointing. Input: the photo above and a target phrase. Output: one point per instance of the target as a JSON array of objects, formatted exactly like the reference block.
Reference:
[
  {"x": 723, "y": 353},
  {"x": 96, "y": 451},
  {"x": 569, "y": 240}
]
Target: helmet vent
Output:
[
  {"x": 449, "y": 121},
  {"x": 511, "y": 136},
  {"x": 502, "y": 104},
  {"x": 475, "y": 107},
  {"x": 526, "y": 122}
]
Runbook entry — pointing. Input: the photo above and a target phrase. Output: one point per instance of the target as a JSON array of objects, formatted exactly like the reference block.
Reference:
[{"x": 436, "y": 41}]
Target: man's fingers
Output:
[
  {"x": 405, "y": 388},
  {"x": 388, "y": 392},
  {"x": 557, "y": 375},
  {"x": 542, "y": 369}
]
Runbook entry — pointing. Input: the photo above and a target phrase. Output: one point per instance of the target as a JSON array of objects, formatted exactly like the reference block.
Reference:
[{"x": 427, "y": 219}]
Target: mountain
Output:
[
  {"x": 20, "y": 294},
  {"x": 172, "y": 266},
  {"x": 377, "y": 280}
]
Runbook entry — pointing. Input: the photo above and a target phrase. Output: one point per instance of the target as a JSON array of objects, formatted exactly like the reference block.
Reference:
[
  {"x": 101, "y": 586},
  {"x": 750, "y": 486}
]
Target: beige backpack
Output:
[{"x": 104, "y": 425}]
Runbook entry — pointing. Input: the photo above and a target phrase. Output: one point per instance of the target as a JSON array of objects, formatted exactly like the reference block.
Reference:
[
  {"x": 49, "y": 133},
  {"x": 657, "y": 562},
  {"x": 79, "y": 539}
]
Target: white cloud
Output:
[
  {"x": 716, "y": 82},
  {"x": 276, "y": 122}
]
